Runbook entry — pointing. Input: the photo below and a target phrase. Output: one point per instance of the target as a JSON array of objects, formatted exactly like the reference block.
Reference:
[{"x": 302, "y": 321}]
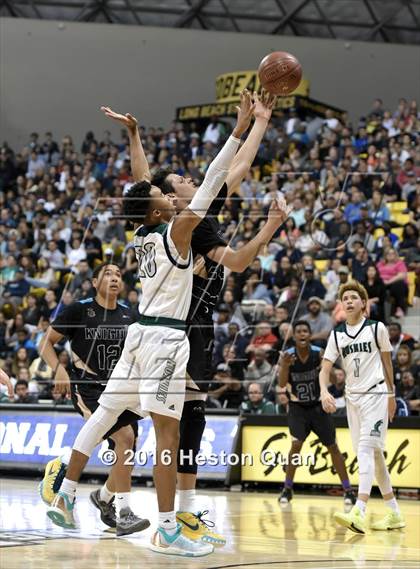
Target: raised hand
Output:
[
  {"x": 279, "y": 211},
  {"x": 127, "y": 120},
  {"x": 264, "y": 104},
  {"x": 245, "y": 112},
  {"x": 287, "y": 359}
]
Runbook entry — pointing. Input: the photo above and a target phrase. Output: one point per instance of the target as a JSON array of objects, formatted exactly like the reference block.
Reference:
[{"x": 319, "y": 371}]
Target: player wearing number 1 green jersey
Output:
[{"x": 364, "y": 349}]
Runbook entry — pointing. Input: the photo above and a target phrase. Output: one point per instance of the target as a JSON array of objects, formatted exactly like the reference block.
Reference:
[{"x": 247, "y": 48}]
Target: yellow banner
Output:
[
  {"x": 195, "y": 112},
  {"x": 269, "y": 447},
  {"x": 229, "y": 85}
]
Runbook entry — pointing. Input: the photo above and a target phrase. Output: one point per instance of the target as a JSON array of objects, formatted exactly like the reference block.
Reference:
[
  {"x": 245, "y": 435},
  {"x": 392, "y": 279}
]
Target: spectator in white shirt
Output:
[
  {"x": 35, "y": 163},
  {"x": 213, "y": 131},
  {"x": 75, "y": 252},
  {"x": 54, "y": 256}
]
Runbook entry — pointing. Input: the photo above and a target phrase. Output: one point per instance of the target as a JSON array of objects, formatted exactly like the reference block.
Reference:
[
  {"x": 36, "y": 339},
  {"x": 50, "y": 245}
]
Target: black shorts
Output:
[
  {"x": 304, "y": 419},
  {"x": 200, "y": 334},
  {"x": 85, "y": 398}
]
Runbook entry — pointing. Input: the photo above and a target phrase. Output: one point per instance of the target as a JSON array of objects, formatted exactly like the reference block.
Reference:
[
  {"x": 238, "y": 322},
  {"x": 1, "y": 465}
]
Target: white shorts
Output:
[
  {"x": 151, "y": 372},
  {"x": 367, "y": 416}
]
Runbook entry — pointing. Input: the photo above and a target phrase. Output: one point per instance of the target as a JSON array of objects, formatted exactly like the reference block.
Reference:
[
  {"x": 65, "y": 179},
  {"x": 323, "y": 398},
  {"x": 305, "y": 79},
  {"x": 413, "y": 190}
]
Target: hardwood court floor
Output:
[{"x": 260, "y": 533}]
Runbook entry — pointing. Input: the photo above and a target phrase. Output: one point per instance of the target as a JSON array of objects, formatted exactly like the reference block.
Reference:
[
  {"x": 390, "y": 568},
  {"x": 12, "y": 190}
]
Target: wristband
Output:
[{"x": 391, "y": 394}]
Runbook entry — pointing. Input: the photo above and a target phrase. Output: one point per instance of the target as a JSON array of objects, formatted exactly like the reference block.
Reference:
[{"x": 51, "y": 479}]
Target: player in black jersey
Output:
[
  {"x": 208, "y": 242},
  {"x": 299, "y": 370},
  {"x": 96, "y": 329}
]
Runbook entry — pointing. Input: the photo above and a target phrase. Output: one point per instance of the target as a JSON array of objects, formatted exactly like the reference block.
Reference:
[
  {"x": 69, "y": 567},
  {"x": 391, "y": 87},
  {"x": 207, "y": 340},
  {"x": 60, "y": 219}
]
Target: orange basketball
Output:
[{"x": 280, "y": 73}]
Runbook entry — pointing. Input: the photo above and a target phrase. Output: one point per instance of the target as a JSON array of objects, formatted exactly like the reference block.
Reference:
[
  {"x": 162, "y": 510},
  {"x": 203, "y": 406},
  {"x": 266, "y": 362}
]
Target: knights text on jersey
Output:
[
  {"x": 166, "y": 278},
  {"x": 304, "y": 377},
  {"x": 360, "y": 351},
  {"x": 96, "y": 334}
]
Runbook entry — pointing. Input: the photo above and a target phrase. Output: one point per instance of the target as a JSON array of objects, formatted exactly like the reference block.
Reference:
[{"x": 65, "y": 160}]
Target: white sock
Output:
[
  {"x": 105, "y": 495},
  {"x": 122, "y": 501},
  {"x": 362, "y": 506},
  {"x": 69, "y": 488},
  {"x": 167, "y": 521},
  {"x": 393, "y": 504},
  {"x": 186, "y": 500},
  {"x": 65, "y": 457}
]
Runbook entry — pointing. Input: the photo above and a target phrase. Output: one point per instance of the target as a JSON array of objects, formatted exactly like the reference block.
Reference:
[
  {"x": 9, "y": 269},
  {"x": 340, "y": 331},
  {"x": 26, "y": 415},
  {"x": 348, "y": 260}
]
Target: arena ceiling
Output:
[{"x": 396, "y": 21}]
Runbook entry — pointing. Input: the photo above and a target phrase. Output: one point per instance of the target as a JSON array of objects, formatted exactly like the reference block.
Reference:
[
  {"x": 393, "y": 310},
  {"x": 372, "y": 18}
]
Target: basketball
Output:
[{"x": 280, "y": 73}]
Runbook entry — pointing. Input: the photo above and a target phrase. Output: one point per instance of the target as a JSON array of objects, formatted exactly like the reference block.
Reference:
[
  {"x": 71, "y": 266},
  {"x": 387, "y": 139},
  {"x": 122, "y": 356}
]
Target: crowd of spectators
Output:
[{"x": 355, "y": 191}]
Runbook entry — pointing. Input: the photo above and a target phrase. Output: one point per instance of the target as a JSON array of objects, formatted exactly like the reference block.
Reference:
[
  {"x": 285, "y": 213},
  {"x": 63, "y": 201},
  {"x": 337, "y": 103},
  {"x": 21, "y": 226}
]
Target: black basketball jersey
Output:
[
  {"x": 205, "y": 237},
  {"x": 96, "y": 334},
  {"x": 304, "y": 377}
]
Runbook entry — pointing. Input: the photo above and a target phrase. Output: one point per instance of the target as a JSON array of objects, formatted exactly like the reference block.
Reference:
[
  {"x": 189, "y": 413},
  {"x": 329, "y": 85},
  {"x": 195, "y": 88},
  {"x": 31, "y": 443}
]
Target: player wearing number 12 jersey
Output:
[
  {"x": 365, "y": 351},
  {"x": 96, "y": 329},
  {"x": 299, "y": 368}
]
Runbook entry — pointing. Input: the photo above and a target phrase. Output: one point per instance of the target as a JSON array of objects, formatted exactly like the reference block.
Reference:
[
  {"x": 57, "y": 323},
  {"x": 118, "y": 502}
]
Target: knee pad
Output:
[
  {"x": 94, "y": 430},
  {"x": 366, "y": 461},
  {"x": 191, "y": 429}
]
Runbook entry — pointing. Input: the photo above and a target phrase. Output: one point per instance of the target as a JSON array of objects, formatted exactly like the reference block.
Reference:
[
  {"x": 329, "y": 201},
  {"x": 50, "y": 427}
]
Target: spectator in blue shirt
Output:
[
  {"x": 15, "y": 290},
  {"x": 378, "y": 211},
  {"x": 352, "y": 210}
]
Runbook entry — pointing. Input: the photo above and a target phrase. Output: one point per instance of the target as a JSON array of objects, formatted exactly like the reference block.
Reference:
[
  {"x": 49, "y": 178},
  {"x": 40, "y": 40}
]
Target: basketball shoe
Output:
[
  {"x": 178, "y": 544},
  {"x": 106, "y": 509},
  {"x": 392, "y": 520},
  {"x": 353, "y": 520},
  {"x": 194, "y": 527},
  {"x": 61, "y": 511},
  {"x": 349, "y": 498},
  {"x": 54, "y": 474},
  {"x": 285, "y": 496}
]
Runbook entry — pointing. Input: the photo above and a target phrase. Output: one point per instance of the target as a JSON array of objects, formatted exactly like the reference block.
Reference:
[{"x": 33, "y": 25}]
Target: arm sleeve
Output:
[
  {"x": 331, "y": 352},
  {"x": 215, "y": 178},
  {"x": 383, "y": 338},
  {"x": 68, "y": 321}
]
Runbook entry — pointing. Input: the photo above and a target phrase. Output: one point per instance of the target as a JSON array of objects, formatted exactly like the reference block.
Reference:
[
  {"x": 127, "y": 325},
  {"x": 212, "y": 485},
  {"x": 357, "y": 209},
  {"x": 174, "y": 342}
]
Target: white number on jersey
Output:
[{"x": 146, "y": 257}]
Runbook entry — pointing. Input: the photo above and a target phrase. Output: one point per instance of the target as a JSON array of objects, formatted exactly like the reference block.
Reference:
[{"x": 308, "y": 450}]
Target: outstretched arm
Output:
[
  {"x": 239, "y": 260},
  {"x": 193, "y": 214},
  {"x": 242, "y": 162},
  {"x": 139, "y": 165}
]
